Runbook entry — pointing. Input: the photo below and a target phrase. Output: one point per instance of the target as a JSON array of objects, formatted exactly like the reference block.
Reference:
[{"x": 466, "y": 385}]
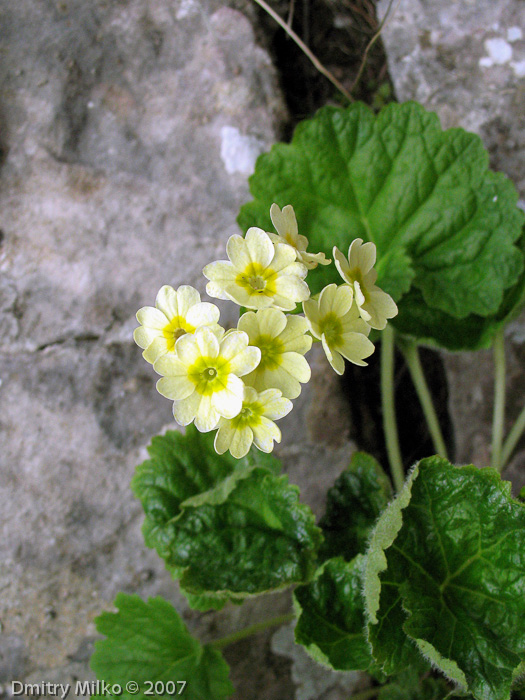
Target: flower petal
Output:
[
  {"x": 238, "y": 252},
  {"x": 152, "y": 318},
  {"x": 367, "y": 257},
  {"x": 265, "y": 433},
  {"x": 228, "y": 402},
  {"x": 353, "y": 253},
  {"x": 311, "y": 312},
  {"x": 206, "y": 341},
  {"x": 233, "y": 343},
  {"x": 271, "y": 322},
  {"x": 281, "y": 379},
  {"x": 207, "y": 417},
  {"x": 187, "y": 349},
  {"x": 326, "y": 300},
  {"x": 175, "y": 388},
  {"x": 220, "y": 271},
  {"x": 286, "y": 255},
  {"x": 341, "y": 264},
  {"x": 380, "y": 307},
  {"x": 223, "y": 436},
  {"x": 187, "y": 297},
  {"x": 355, "y": 347},
  {"x": 343, "y": 298},
  {"x": 144, "y": 336},
  {"x": 185, "y": 411},
  {"x": 203, "y": 314},
  {"x": 260, "y": 246},
  {"x": 296, "y": 365},
  {"x": 170, "y": 366},
  {"x": 275, "y": 405},
  {"x": 155, "y": 349},
  {"x": 284, "y": 221},
  {"x": 292, "y": 288},
  {"x": 241, "y": 442},
  {"x": 216, "y": 290},
  {"x": 249, "y": 324},
  {"x": 166, "y": 302}
]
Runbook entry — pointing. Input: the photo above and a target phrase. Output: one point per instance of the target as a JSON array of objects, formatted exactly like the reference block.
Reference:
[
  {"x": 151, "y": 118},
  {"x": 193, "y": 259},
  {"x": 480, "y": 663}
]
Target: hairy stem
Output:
[
  {"x": 513, "y": 438},
  {"x": 389, "y": 410},
  {"x": 251, "y": 630},
  {"x": 411, "y": 353},
  {"x": 498, "y": 417}
]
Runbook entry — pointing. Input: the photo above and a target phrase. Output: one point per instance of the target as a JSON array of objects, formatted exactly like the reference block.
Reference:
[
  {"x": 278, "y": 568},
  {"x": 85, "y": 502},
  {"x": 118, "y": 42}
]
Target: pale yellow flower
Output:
[
  {"x": 335, "y": 321},
  {"x": 258, "y": 274},
  {"x": 282, "y": 341},
  {"x": 254, "y": 424},
  {"x": 287, "y": 232},
  {"x": 203, "y": 376},
  {"x": 375, "y": 306},
  {"x": 175, "y": 313}
]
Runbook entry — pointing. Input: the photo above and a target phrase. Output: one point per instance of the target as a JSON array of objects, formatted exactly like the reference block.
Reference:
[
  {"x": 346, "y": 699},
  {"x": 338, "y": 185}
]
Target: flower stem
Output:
[
  {"x": 498, "y": 417},
  {"x": 513, "y": 438},
  {"x": 389, "y": 411},
  {"x": 411, "y": 353},
  {"x": 251, "y": 630}
]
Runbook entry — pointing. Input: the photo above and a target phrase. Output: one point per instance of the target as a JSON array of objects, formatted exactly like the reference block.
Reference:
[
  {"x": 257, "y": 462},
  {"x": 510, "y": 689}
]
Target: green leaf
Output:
[
  {"x": 438, "y": 329},
  {"x": 184, "y": 470},
  {"x": 391, "y": 647},
  {"x": 149, "y": 642},
  {"x": 331, "y": 616},
  {"x": 261, "y": 538},
  {"x": 409, "y": 685},
  {"x": 353, "y": 505},
  {"x": 457, "y": 567},
  {"x": 424, "y": 196}
]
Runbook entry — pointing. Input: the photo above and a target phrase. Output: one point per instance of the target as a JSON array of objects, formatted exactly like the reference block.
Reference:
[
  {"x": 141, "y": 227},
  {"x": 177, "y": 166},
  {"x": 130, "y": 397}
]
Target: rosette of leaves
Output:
[
  {"x": 447, "y": 229},
  {"x": 226, "y": 528}
]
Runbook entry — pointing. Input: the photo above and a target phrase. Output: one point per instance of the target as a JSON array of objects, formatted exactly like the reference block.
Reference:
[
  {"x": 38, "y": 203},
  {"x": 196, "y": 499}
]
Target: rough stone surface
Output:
[
  {"x": 465, "y": 61},
  {"x": 313, "y": 681},
  {"x": 128, "y": 129}
]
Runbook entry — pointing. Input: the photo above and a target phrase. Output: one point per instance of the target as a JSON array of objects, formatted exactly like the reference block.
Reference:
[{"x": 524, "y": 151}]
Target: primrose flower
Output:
[
  {"x": 258, "y": 274},
  {"x": 254, "y": 424},
  {"x": 375, "y": 306},
  {"x": 334, "y": 320},
  {"x": 175, "y": 313},
  {"x": 282, "y": 341},
  {"x": 287, "y": 232},
  {"x": 203, "y": 376}
]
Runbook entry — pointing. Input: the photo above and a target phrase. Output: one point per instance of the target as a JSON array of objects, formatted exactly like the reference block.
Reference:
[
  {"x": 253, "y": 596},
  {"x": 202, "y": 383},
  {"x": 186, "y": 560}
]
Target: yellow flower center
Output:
[
  {"x": 332, "y": 328},
  {"x": 257, "y": 279},
  {"x": 271, "y": 351},
  {"x": 175, "y": 328},
  {"x": 250, "y": 416},
  {"x": 209, "y": 375}
]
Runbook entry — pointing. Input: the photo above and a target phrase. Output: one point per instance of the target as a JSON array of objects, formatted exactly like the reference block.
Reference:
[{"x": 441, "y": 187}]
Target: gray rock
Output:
[
  {"x": 314, "y": 681},
  {"x": 128, "y": 131},
  {"x": 465, "y": 61}
]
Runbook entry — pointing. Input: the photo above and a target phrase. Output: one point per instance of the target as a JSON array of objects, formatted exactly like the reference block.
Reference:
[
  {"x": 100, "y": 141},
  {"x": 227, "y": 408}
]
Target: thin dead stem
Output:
[
  {"x": 372, "y": 42},
  {"x": 305, "y": 49}
]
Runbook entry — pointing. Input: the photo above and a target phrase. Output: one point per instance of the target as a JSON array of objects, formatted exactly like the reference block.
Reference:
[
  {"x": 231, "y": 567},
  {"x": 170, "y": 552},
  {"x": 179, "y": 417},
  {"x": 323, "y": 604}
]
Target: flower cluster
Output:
[{"x": 240, "y": 381}]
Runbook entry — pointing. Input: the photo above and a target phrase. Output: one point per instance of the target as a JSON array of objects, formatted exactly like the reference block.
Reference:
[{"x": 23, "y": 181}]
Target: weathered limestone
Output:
[{"x": 128, "y": 130}]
